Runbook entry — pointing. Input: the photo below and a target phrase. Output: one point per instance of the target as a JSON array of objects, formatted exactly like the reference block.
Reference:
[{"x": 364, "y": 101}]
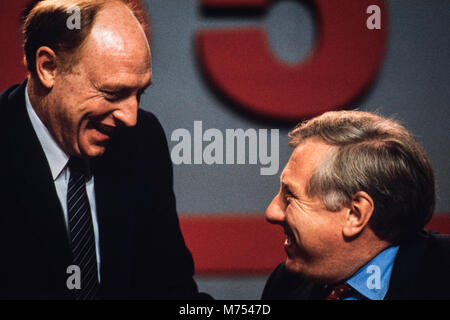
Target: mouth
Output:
[
  {"x": 104, "y": 129},
  {"x": 290, "y": 240}
]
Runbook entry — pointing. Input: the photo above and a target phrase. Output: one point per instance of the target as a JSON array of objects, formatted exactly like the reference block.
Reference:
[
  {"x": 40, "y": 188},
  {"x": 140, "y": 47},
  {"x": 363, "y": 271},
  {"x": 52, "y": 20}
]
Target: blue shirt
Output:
[
  {"x": 57, "y": 160},
  {"x": 372, "y": 280}
]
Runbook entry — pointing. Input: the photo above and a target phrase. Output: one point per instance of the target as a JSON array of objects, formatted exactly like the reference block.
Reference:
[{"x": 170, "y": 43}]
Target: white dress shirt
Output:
[{"x": 57, "y": 160}]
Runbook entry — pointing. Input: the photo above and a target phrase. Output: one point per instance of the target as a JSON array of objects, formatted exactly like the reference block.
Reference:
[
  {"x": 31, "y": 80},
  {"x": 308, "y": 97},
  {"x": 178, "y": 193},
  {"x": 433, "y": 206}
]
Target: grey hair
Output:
[{"x": 375, "y": 155}]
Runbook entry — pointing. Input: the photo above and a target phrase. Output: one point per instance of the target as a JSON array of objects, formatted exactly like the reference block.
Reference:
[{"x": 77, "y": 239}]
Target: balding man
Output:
[
  {"x": 87, "y": 209},
  {"x": 354, "y": 199}
]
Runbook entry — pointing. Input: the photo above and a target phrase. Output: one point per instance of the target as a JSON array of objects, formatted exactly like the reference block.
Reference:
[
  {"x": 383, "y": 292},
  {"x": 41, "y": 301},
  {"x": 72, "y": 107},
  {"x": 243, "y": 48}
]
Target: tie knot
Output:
[
  {"x": 340, "y": 292},
  {"x": 78, "y": 166}
]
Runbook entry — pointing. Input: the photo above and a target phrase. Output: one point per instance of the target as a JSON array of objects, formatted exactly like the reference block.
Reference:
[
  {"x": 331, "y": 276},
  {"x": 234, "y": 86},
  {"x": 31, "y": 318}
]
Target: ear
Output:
[
  {"x": 359, "y": 212},
  {"x": 46, "y": 66}
]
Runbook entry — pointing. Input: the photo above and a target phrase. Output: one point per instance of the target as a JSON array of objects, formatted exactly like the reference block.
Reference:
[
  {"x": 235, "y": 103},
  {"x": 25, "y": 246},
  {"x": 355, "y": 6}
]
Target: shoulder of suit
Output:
[
  {"x": 285, "y": 285},
  {"x": 148, "y": 123},
  {"x": 146, "y": 116},
  {"x": 5, "y": 96},
  {"x": 140, "y": 141},
  {"x": 9, "y": 101},
  {"x": 5, "y": 93},
  {"x": 434, "y": 251},
  {"x": 438, "y": 245}
]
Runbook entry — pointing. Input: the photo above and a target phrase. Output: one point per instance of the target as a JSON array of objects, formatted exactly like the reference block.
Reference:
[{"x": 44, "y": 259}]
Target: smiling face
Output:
[
  {"x": 103, "y": 90},
  {"x": 314, "y": 235}
]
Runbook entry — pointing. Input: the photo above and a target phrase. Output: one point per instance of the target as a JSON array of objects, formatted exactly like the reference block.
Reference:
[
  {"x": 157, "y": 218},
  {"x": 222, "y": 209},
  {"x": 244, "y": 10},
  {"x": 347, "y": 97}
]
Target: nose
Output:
[
  {"x": 126, "y": 113},
  {"x": 275, "y": 211}
]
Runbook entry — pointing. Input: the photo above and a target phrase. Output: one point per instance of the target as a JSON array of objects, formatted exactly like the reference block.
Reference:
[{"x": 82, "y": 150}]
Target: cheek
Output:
[
  {"x": 296, "y": 222},
  {"x": 86, "y": 114},
  {"x": 67, "y": 122},
  {"x": 308, "y": 228},
  {"x": 69, "y": 114},
  {"x": 84, "y": 129},
  {"x": 298, "y": 216}
]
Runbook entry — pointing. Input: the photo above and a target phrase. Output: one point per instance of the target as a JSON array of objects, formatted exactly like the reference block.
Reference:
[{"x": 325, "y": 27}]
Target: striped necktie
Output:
[{"x": 81, "y": 230}]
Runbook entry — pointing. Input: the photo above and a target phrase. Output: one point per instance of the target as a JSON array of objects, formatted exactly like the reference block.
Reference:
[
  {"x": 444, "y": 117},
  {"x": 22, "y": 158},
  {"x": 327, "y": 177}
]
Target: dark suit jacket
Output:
[
  {"x": 143, "y": 254},
  {"x": 421, "y": 271}
]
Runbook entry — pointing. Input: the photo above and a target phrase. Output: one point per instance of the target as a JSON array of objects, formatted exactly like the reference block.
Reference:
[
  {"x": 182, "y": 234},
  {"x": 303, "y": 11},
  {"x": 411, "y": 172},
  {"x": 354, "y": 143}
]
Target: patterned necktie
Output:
[
  {"x": 340, "y": 292},
  {"x": 81, "y": 230}
]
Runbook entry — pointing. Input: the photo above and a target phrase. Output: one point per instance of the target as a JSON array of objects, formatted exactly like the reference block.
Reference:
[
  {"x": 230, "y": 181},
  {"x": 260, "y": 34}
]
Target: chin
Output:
[
  {"x": 294, "y": 266},
  {"x": 298, "y": 266},
  {"x": 90, "y": 145},
  {"x": 92, "y": 151}
]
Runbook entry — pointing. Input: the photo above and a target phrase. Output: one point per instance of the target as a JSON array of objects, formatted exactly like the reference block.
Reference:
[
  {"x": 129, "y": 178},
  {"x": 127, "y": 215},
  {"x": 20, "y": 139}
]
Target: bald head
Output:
[
  {"x": 46, "y": 25},
  {"x": 117, "y": 43},
  {"x": 117, "y": 29}
]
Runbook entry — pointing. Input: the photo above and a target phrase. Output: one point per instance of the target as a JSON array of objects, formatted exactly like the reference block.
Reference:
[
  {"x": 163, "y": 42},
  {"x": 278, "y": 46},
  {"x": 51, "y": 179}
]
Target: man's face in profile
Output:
[
  {"x": 103, "y": 89},
  {"x": 313, "y": 232}
]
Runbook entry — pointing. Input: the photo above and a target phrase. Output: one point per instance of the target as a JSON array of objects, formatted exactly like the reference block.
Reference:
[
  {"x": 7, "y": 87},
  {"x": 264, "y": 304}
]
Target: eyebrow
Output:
[
  {"x": 124, "y": 89},
  {"x": 288, "y": 187},
  {"x": 285, "y": 185}
]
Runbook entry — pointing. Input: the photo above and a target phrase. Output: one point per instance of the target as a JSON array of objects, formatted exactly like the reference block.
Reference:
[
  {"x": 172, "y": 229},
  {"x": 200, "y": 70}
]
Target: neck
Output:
[
  {"x": 41, "y": 103},
  {"x": 37, "y": 96},
  {"x": 358, "y": 253}
]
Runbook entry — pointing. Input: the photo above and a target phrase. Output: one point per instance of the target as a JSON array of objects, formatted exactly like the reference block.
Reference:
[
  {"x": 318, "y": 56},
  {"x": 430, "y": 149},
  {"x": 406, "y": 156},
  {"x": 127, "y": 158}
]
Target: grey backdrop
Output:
[{"x": 413, "y": 85}]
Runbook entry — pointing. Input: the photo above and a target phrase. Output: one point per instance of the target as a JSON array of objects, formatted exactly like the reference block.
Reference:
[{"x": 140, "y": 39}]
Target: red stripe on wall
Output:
[
  {"x": 440, "y": 223},
  {"x": 245, "y": 244},
  {"x": 233, "y": 244}
]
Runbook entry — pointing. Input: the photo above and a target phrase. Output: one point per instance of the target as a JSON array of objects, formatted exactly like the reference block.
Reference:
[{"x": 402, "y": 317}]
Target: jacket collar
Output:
[
  {"x": 407, "y": 267},
  {"x": 29, "y": 167}
]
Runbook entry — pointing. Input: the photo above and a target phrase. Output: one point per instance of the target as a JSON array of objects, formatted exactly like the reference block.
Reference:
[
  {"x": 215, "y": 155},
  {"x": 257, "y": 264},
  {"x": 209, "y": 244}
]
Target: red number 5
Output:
[{"x": 346, "y": 58}]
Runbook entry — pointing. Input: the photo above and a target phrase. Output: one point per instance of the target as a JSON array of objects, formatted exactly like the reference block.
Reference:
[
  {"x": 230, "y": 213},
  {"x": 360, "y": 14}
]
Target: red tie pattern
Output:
[{"x": 340, "y": 292}]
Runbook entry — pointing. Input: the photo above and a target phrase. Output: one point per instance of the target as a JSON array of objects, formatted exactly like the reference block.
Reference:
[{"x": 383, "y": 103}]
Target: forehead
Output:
[
  {"x": 116, "y": 45},
  {"x": 304, "y": 160}
]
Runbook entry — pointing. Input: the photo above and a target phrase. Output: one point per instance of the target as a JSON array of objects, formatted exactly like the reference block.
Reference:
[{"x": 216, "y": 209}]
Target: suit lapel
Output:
[
  {"x": 30, "y": 169},
  {"x": 116, "y": 224}
]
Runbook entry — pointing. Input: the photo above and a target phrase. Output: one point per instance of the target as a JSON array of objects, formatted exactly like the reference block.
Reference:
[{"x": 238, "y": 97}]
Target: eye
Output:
[
  {"x": 288, "y": 195},
  {"x": 110, "y": 96},
  {"x": 111, "y": 99},
  {"x": 114, "y": 96}
]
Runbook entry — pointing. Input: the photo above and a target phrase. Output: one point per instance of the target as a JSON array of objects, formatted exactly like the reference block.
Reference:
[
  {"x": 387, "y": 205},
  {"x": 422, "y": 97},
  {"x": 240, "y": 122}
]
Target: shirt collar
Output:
[
  {"x": 57, "y": 158},
  {"x": 372, "y": 280}
]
